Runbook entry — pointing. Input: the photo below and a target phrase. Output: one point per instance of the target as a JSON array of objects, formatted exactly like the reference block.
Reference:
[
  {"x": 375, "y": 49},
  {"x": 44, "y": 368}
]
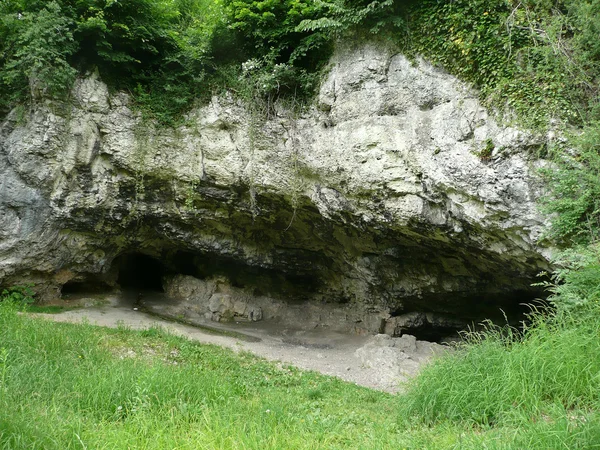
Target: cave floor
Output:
[{"x": 321, "y": 350}]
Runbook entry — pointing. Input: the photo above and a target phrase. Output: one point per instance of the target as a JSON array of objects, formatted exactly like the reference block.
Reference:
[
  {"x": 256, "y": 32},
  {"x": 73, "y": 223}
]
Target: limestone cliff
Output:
[{"x": 396, "y": 195}]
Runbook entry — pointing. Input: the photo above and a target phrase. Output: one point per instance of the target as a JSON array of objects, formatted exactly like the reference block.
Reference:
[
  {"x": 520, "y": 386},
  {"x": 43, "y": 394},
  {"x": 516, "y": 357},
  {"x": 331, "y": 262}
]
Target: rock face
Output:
[
  {"x": 213, "y": 300},
  {"x": 395, "y": 194},
  {"x": 397, "y": 359}
]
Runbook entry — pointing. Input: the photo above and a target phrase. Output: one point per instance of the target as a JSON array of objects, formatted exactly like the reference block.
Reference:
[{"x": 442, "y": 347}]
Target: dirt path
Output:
[{"x": 323, "y": 351}]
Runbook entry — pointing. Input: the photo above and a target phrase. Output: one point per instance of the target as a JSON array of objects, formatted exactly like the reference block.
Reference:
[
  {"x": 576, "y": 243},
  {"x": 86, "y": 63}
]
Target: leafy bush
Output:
[
  {"x": 157, "y": 49},
  {"x": 269, "y": 27},
  {"x": 36, "y": 53},
  {"x": 574, "y": 205},
  {"x": 17, "y": 296},
  {"x": 287, "y": 42},
  {"x": 575, "y": 185},
  {"x": 576, "y": 281},
  {"x": 168, "y": 53}
]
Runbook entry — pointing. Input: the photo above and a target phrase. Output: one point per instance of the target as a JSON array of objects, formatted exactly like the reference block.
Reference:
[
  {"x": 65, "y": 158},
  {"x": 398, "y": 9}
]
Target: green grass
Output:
[
  {"x": 50, "y": 309},
  {"x": 544, "y": 385},
  {"x": 78, "y": 386}
]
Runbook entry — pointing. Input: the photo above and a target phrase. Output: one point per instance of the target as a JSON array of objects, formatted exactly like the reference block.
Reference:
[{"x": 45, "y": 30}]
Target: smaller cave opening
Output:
[
  {"x": 257, "y": 279},
  {"x": 425, "y": 325},
  {"x": 184, "y": 263},
  {"x": 138, "y": 271},
  {"x": 441, "y": 318},
  {"x": 75, "y": 288},
  {"x": 431, "y": 333}
]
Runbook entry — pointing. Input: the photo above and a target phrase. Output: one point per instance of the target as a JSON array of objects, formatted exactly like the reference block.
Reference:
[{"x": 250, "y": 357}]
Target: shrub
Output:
[
  {"x": 38, "y": 52},
  {"x": 160, "y": 47},
  {"x": 17, "y": 296}
]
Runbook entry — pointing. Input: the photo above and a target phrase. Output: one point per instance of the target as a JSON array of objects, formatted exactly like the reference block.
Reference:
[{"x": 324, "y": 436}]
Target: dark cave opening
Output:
[
  {"x": 259, "y": 280},
  {"x": 184, "y": 263},
  {"x": 139, "y": 271},
  {"x": 85, "y": 287},
  {"x": 432, "y": 333},
  {"x": 433, "y": 317},
  {"x": 453, "y": 314}
]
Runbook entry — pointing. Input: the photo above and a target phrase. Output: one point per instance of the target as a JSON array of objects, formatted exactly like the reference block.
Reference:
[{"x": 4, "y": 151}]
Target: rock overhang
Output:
[{"x": 380, "y": 195}]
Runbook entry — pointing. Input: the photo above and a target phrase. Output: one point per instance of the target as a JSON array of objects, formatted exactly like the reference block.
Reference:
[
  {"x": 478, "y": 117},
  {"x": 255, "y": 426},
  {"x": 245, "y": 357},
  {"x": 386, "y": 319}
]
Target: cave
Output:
[
  {"x": 292, "y": 284},
  {"x": 74, "y": 288},
  {"x": 138, "y": 271},
  {"x": 439, "y": 316},
  {"x": 461, "y": 312},
  {"x": 432, "y": 333}
]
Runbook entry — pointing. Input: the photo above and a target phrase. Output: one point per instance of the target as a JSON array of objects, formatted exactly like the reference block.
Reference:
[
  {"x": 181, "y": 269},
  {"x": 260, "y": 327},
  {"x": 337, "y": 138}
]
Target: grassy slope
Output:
[{"x": 78, "y": 386}]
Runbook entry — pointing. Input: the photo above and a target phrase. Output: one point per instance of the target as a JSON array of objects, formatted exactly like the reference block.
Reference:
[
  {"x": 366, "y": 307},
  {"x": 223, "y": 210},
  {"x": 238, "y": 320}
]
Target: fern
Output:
[{"x": 322, "y": 23}]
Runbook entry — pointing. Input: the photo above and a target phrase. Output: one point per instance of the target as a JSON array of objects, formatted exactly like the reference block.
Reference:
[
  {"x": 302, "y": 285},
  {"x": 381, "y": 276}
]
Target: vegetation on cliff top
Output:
[
  {"x": 168, "y": 53},
  {"x": 539, "y": 58}
]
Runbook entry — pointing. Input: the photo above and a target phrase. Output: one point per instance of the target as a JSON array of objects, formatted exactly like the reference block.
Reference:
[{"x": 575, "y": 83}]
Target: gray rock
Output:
[
  {"x": 205, "y": 299},
  {"x": 397, "y": 359},
  {"x": 386, "y": 209},
  {"x": 184, "y": 287}
]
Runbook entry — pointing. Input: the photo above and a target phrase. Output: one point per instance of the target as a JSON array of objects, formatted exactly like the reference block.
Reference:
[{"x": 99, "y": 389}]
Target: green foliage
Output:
[
  {"x": 92, "y": 387},
  {"x": 574, "y": 205},
  {"x": 169, "y": 53},
  {"x": 486, "y": 152},
  {"x": 576, "y": 280},
  {"x": 157, "y": 49},
  {"x": 502, "y": 378},
  {"x": 36, "y": 52},
  {"x": 17, "y": 296},
  {"x": 121, "y": 35},
  {"x": 127, "y": 389},
  {"x": 373, "y": 15},
  {"x": 497, "y": 46},
  {"x": 269, "y": 27},
  {"x": 287, "y": 42},
  {"x": 539, "y": 58},
  {"x": 575, "y": 184},
  {"x": 144, "y": 46},
  {"x": 279, "y": 59}
]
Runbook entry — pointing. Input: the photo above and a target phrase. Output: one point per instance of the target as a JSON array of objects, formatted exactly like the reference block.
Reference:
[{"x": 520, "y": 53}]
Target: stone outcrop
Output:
[
  {"x": 211, "y": 299},
  {"x": 397, "y": 358},
  {"x": 396, "y": 193}
]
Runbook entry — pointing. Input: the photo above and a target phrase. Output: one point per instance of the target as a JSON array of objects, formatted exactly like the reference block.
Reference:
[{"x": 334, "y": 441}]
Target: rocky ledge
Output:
[{"x": 395, "y": 203}]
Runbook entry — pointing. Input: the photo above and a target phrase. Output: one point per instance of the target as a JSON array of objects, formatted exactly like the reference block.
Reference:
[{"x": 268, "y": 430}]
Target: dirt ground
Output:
[{"x": 345, "y": 356}]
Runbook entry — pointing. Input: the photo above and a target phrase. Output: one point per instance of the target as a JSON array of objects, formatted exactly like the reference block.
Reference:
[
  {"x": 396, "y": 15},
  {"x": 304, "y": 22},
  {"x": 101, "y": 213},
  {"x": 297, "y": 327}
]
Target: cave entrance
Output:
[
  {"x": 431, "y": 333},
  {"x": 137, "y": 271},
  {"x": 76, "y": 288}
]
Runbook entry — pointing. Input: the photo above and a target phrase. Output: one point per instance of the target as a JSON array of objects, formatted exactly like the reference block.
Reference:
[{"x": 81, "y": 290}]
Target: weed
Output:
[
  {"x": 19, "y": 296},
  {"x": 485, "y": 153}
]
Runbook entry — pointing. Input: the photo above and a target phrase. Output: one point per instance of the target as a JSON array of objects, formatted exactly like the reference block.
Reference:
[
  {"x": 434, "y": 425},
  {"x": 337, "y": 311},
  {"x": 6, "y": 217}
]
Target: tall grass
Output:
[
  {"x": 65, "y": 386},
  {"x": 544, "y": 385}
]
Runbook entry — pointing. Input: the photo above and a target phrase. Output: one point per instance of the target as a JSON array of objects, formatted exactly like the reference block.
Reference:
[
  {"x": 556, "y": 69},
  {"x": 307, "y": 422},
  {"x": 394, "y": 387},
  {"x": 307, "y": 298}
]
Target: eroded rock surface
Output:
[
  {"x": 395, "y": 194},
  {"x": 397, "y": 358},
  {"x": 211, "y": 299}
]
